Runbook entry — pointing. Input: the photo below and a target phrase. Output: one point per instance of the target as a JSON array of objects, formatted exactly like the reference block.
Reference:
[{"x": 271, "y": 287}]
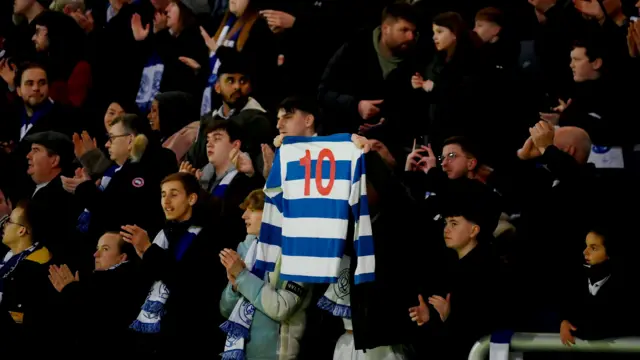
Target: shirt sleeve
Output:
[{"x": 363, "y": 238}]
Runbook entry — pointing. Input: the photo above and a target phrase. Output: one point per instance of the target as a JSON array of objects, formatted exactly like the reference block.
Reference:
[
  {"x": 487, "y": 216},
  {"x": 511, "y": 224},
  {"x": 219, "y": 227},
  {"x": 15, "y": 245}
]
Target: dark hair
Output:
[
  {"x": 22, "y": 68},
  {"x": 65, "y": 38},
  {"x": 467, "y": 145},
  {"x": 609, "y": 236},
  {"x": 306, "y": 105},
  {"x": 400, "y": 10},
  {"x": 187, "y": 17},
  {"x": 594, "y": 47},
  {"x": 189, "y": 182},
  {"x": 491, "y": 14},
  {"x": 123, "y": 246},
  {"x": 454, "y": 22},
  {"x": 231, "y": 128},
  {"x": 470, "y": 199},
  {"x": 27, "y": 218}
]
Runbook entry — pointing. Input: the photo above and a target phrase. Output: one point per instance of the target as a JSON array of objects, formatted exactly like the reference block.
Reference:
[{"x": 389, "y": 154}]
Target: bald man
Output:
[
  {"x": 560, "y": 199},
  {"x": 569, "y": 139}
]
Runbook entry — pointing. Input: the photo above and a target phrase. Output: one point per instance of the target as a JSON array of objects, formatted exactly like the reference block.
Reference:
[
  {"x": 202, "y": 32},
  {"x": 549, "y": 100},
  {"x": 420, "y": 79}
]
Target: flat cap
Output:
[{"x": 57, "y": 143}]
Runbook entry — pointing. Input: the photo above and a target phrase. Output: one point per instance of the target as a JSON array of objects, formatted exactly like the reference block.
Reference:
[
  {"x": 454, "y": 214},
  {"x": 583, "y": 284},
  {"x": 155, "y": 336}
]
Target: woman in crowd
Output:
[
  {"x": 241, "y": 28},
  {"x": 176, "y": 34},
  {"x": 174, "y": 116}
]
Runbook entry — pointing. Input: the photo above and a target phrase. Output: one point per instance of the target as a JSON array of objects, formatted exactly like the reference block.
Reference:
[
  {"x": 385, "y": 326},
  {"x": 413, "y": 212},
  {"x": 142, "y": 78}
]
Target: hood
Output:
[{"x": 175, "y": 110}]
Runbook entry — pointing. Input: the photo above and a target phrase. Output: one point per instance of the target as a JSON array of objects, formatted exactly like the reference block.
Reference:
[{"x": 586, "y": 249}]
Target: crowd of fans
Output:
[{"x": 136, "y": 137}]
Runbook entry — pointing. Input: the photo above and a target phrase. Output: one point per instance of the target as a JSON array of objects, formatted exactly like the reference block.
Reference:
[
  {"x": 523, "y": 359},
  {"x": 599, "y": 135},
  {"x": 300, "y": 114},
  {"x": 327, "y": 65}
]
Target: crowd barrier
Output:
[{"x": 535, "y": 342}]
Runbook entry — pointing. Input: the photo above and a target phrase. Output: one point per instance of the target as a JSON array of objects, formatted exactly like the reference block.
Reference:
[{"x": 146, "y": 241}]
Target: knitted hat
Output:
[
  {"x": 197, "y": 6},
  {"x": 232, "y": 62}
]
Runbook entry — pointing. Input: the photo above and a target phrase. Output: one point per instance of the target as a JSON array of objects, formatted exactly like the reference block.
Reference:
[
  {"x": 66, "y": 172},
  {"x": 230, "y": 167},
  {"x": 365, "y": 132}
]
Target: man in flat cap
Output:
[{"x": 55, "y": 211}]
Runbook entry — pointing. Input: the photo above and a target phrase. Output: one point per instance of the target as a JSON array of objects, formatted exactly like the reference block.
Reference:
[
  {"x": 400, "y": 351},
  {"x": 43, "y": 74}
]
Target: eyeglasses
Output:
[
  {"x": 112, "y": 137},
  {"x": 8, "y": 221},
  {"x": 450, "y": 156}
]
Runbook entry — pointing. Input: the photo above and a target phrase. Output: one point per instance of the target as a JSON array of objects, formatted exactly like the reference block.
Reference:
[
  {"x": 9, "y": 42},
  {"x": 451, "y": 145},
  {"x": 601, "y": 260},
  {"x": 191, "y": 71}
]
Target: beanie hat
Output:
[{"x": 197, "y": 6}]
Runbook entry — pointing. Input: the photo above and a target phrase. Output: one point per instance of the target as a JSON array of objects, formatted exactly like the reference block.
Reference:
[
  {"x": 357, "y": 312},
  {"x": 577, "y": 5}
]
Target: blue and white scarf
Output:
[
  {"x": 221, "y": 188},
  {"x": 214, "y": 63},
  {"x": 150, "y": 82},
  {"x": 11, "y": 262},
  {"x": 85, "y": 217},
  {"x": 337, "y": 298},
  {"x": 150, "y": 316},
  {"x": 39, "y": 113},
  {"x": 239, "y": 323}
]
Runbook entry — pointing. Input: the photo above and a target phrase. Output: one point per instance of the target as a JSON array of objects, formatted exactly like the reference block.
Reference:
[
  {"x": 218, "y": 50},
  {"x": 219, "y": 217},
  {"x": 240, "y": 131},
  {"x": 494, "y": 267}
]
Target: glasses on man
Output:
[
  {"x": 113, "y": 137},
  {"x": 449, "y": 156},
  {"x": 6, "y": 220}
]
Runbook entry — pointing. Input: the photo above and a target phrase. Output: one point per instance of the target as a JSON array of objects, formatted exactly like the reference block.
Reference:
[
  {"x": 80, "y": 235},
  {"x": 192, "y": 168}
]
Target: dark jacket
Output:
[
  {"x": 358, "y": 61},
  {"x": 190, "y": 324},
  {"x": 600, "y": 107},
  {"x": 607, "y": 314},
  {"x": 26, "y": 297},
  {"x": 476, "y": 286},
  {"x": 177, "y": 76},
  {"x": 564, "y": 196},
  {"x": 104, "y": 304},
  {"x": 55, "y": 214},
  {"x": 132, "y": 197},
  {"x": 111, "y": 75},
  {"x": 257, "y": 130},
  {"x": 229, "y": 205}
]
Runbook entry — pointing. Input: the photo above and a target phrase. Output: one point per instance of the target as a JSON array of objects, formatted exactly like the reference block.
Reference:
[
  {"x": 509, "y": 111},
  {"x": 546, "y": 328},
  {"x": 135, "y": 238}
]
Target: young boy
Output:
[{"x": 489, "y": 23}]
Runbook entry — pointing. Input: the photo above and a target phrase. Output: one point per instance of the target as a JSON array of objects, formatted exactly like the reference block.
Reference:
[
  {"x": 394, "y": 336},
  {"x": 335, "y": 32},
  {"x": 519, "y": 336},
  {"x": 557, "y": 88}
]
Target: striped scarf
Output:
[{"x": 150, "y": 316}]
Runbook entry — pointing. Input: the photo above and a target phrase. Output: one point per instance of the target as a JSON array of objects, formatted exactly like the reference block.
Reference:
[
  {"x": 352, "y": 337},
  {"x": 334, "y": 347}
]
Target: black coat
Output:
[
  {"x": 28, "y": 294},
  {"x": 190, "y": 325},
  {"x": 610, "y": 313},
  {"x": 228, "y": 209},
  {"x": 112, "y": 75},
  {"x": 55, "y": 214},
  {"x": 103, "y": 305},
  {"x": 132, "y": 197},
  {"x": 476, "y": 286},
  {"x": 357, "y": 61}
]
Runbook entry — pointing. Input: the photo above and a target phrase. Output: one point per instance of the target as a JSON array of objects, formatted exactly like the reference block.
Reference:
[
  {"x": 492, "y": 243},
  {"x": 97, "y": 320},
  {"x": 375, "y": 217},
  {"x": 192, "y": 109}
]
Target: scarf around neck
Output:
[
  {"x": 150, "y": 317},
  {"x": 239, "y": 324},
  {"x": 8, "y": 266}
]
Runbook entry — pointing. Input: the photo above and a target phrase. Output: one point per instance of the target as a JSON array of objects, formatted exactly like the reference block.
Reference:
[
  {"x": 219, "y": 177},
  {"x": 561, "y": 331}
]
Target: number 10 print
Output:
[{"x": 306, "y": 162}]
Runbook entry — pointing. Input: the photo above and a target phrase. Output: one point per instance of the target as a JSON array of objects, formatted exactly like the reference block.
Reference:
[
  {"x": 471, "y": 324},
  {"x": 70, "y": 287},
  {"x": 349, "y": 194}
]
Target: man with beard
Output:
[
  {"x": 234, "y": 87},
  {"x": 367, "y": 74}
]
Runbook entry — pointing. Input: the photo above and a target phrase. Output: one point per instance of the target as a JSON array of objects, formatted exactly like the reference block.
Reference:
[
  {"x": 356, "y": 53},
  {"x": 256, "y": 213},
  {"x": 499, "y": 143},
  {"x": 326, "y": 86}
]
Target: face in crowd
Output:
[
  {"x": 176, "y": 203},
  {"x": 455, "y": 162},
  {"x": 109, "y": 251},
  {"x": 219, "y": 147},
  {"x": 33, "y": 87},
  {"x": 595, "y": 252}
]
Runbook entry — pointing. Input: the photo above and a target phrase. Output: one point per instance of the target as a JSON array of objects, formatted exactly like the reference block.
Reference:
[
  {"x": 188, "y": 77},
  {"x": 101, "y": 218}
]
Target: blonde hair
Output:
[{"x": 74, "y": 5}]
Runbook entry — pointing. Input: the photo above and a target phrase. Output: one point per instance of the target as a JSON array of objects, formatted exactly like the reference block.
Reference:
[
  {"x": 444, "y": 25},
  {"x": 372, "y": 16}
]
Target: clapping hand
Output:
[
  {"x": 232, "y": 262},
  {"x": 137, "y": 237},
  {"x": 419, "y": 314},
  {"x": 70, "y": 184},
  {"x": 83, "y": 143},
  {"x": 442, "y": 305},
  {"x": 242, "y": 162},
  {"x": 61, "y": 276}
]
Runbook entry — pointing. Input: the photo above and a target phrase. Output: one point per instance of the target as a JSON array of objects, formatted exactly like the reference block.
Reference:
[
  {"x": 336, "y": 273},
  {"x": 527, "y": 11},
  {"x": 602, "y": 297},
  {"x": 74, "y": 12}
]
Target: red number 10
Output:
[{"x": 306, "y": 162}]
